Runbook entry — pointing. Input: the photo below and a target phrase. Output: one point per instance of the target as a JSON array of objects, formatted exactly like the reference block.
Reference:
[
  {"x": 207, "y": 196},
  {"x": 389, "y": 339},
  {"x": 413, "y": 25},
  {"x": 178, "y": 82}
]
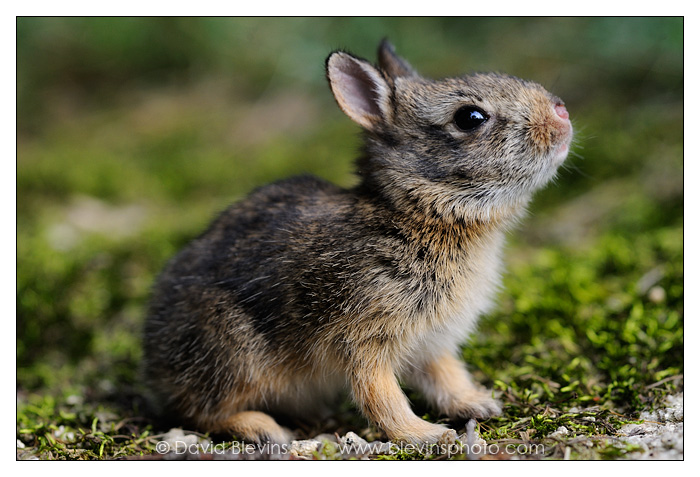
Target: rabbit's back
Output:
[{"x": 222, "y": 309}]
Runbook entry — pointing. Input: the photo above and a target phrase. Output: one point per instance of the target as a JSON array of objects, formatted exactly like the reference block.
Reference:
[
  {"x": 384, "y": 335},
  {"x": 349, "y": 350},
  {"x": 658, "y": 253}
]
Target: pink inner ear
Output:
[{"x": 358, "y": 90}]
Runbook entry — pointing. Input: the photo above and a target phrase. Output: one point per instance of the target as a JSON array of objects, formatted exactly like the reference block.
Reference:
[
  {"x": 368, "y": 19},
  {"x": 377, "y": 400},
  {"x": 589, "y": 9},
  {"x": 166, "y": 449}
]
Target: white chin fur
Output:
[{"x": 561, "y": 153}]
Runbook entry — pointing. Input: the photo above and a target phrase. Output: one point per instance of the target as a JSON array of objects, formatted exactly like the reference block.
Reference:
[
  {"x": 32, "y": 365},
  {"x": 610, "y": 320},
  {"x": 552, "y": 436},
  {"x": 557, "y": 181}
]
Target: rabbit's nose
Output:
[{"x": 561, "y": 111}]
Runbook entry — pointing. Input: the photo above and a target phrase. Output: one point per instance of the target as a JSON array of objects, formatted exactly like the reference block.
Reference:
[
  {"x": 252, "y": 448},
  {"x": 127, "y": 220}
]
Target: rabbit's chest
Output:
[{"x": 469, "y": 287}]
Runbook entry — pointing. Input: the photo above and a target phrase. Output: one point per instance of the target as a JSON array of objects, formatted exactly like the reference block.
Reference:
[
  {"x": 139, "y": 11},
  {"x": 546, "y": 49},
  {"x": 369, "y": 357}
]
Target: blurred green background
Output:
[{"x": 134, "y": 132}]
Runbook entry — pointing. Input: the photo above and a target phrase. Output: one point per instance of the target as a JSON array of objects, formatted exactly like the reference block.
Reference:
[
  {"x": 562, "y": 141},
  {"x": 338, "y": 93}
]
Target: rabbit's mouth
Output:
[
  {"x": 564, "y": 132},
  {"x": 562, "y": 151}
]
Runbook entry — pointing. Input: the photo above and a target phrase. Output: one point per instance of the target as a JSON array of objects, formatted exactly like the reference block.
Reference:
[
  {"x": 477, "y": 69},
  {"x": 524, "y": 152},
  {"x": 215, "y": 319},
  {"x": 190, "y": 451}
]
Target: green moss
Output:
[{"x": 68, "y": 429}]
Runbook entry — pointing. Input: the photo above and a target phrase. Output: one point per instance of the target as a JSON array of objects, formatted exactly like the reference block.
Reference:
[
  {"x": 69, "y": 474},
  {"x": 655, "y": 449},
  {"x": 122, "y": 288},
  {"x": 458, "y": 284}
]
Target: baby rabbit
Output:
[{"x": 303, "y": 289}]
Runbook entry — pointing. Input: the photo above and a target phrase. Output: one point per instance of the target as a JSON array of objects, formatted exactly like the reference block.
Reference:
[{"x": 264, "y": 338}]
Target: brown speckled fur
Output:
[{"x": 304, "y": 290}]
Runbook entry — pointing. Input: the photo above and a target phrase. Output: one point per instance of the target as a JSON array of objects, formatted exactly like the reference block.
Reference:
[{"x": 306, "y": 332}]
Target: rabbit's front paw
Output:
[
  {"x": 476, "y": 404},
  {"x": 425, "y": 434}
]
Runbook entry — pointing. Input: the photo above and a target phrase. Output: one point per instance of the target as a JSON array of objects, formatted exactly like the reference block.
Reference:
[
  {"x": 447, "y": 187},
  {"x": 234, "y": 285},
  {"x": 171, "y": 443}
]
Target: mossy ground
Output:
[{"x": 125, "y": 152}]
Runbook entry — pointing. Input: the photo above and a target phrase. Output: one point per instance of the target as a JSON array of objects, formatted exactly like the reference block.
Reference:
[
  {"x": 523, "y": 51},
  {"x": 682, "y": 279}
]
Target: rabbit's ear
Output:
[
  {"x": 392, "y": 63},
  {"x": 359, "y": 88}
]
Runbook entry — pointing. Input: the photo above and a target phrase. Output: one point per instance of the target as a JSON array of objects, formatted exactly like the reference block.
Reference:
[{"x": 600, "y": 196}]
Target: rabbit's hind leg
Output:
[{"x": 254, "y": 427}]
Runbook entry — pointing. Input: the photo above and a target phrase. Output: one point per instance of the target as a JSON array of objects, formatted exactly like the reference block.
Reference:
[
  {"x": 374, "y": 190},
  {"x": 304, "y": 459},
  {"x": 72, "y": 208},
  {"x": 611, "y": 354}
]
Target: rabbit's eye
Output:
[{"x": 468, "y": 118}]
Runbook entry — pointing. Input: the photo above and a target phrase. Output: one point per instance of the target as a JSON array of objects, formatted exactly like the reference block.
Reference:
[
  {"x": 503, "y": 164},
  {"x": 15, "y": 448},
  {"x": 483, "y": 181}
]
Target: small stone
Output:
[
  {"x": 447, "y": 444},
  {"x": 657, "y": 295},
  {"x": 305, "y": 449},
  {"x": 353, "y": 445},
  {"x": 173, "y": 433},
  {"x": 352, "y": 439},
  {"x": 560, "y": 432},
  {"x": 180, "y": 443},
  {"x": 74, "y": 400},
  {"x": 20, "y": 444},
  {"x": 449, "y": 438}
]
